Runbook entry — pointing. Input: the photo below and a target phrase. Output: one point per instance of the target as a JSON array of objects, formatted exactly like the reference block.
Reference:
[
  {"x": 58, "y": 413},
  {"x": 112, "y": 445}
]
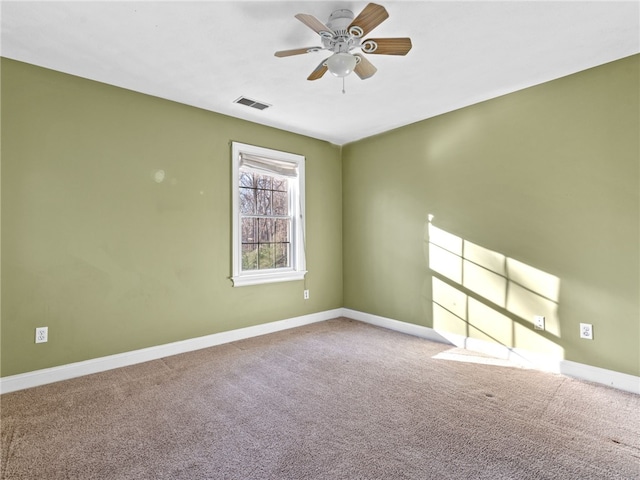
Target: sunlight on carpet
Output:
[{"x": 466, "y": 356}]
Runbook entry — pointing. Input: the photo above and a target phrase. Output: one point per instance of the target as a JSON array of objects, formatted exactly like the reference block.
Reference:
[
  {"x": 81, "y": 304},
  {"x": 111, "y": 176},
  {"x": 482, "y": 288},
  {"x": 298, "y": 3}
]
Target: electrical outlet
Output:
[
  {"x": 586, "y": 331},
  {"x": 538, "y": 322},
  {"x": 306, "y": 295},
  {"x": 42, "y": 334}
]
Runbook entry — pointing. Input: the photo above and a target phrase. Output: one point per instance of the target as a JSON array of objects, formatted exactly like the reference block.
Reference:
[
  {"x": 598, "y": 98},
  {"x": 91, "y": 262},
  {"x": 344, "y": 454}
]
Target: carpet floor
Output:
[{"x": 333, "y": 400}]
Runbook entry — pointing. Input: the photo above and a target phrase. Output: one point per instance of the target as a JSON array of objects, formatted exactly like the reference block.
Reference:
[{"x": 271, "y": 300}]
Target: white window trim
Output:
[{"x": 297, "y": 270}]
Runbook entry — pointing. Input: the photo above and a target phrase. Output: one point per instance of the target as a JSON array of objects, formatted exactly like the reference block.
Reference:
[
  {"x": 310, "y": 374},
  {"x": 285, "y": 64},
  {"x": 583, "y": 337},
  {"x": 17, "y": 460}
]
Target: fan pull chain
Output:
[{"x": 343, "y": 92}]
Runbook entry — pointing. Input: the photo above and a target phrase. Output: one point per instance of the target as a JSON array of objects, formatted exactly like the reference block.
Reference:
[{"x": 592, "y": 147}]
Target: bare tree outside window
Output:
[{"x": 265, "y": 221}]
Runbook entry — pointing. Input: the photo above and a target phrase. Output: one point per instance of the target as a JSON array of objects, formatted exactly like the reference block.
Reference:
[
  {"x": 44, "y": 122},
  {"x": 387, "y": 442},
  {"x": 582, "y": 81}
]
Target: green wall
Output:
[
  {"x": 109, "y": 259},
  {"x": 534, "y": 197},
  {"x": 538, "y": 195}
]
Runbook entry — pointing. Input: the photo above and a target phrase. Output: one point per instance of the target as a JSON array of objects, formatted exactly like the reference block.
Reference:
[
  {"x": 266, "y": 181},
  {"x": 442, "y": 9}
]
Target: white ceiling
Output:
[{"x": 209, "y": 53}]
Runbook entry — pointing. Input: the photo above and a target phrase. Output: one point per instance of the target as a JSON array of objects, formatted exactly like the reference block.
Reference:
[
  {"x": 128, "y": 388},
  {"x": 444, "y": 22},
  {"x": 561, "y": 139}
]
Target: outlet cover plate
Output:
[
  {"x": 538, "y": 322},
  {"x": 42, "y": 334},
  {"x": 586, "y": 331}
]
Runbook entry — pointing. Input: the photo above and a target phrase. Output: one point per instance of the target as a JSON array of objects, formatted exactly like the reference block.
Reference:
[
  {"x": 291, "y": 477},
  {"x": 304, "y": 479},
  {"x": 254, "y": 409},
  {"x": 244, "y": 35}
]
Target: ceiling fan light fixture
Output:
[{"x": 341, "y": 64}]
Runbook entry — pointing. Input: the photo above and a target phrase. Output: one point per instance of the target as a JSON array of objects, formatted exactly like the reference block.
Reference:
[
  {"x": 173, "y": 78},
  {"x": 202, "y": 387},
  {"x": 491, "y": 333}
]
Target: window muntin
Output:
[{"x": 268, "y": 215}]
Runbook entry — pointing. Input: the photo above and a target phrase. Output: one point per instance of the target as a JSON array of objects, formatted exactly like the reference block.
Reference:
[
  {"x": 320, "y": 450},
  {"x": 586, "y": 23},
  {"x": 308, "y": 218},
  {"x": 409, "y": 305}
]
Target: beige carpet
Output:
[{"x": 334, "y": 400}]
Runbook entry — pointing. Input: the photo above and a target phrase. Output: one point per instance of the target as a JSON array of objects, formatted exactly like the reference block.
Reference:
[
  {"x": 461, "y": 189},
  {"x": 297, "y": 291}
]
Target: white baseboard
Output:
[
  {"x": 96, "y": 365},
  {"x": 621, "y": 381},
  {"x": 396, "y": 325},
  {"x": 520, "y": 357}
]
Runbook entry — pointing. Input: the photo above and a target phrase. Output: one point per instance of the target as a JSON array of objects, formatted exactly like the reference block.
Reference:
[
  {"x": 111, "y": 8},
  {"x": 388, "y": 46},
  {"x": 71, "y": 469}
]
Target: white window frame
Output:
[{"x": 297, "y": 268}]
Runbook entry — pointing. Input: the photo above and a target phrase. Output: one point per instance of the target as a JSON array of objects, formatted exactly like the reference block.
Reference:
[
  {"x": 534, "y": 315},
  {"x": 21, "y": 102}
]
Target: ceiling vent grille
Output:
[{"x": 251, "y": 103}]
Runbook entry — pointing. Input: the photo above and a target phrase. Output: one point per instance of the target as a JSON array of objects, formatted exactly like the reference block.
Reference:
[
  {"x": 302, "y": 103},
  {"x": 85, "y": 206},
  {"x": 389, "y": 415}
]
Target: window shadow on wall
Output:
[{"x": 481, "y": 294}]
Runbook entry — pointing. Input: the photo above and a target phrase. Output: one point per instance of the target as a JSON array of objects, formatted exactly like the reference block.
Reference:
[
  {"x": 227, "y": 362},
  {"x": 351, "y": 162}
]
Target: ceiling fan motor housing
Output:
[
  {"x": 342, "y": 40},
  {"x": 340, "y": 20}
]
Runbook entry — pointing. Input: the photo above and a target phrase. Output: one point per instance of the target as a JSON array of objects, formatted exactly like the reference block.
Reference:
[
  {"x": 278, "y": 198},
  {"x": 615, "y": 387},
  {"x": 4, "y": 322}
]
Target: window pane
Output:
[
  {"x": 265, "y": 230},
  {"x": 264, "y": 181},
  {"x": 266, "y": 256},
  {"x": 264, "y": 202},
  {"x": 282, "y": 255},
  {"x": 247, "y": 201},
  {"x": 280, "y": 203},
  {"x": 246, "y": 179},
  {"x": 280, "y": 184},
  {"x": 250, "y": 257},
  {"x": 249, "y": 233},
  {"x": 281, "y": 233}
]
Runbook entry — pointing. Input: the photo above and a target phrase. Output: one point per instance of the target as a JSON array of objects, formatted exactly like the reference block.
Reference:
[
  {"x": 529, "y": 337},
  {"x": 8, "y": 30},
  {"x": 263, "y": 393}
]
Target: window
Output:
[{"x": 268, "y": 215}]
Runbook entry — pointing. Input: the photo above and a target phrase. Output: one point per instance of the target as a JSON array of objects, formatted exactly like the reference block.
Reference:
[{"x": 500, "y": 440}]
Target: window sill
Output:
[{"x": 270, "y": 277}]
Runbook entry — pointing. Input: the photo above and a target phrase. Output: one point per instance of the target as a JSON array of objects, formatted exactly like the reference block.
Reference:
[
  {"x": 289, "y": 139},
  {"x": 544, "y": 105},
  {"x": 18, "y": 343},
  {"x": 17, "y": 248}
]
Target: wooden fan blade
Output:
[
  {"x": 319, "y": 71},
  {"x": 364, "y": 69},
  {"x": 314, "y": 24},
  {"x": 387, "y": 46},
  {"x": 296, "y": 51},
  {"x": 372, "y": 16}
]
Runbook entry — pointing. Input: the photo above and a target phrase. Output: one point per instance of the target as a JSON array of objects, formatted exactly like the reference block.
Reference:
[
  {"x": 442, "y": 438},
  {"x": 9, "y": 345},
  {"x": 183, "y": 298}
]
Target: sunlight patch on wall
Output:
[
  {"x": 483, "y": 294},
  {"x": 543, "y": 283},
  {"x": 446, "y": 263},
  {"x": 485, "y": 283},
  {"x": 488, "y": 324},
  {"x": 449, "y": 308}
]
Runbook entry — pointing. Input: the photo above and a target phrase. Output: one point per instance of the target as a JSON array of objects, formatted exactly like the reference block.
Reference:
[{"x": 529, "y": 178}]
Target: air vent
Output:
[{"x": 251, "y": 103}]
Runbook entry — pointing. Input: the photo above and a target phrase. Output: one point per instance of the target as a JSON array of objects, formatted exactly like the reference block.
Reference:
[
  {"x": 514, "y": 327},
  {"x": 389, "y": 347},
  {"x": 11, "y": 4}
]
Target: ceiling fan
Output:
[{"x": 342, "y": 34}]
